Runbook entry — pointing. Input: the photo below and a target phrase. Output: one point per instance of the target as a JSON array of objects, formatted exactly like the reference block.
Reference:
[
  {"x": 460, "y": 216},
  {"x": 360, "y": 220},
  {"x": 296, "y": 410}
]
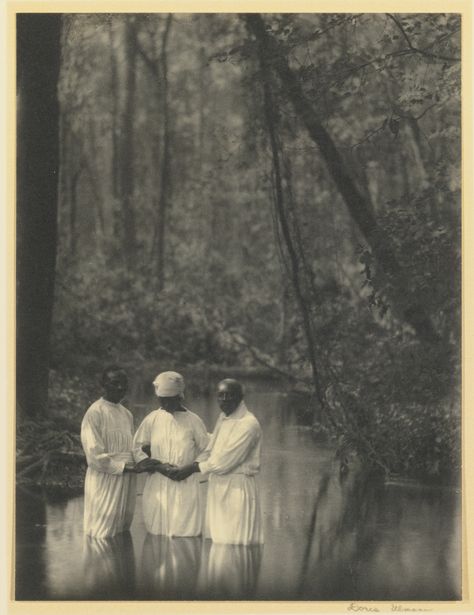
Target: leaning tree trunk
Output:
[
  {"x": 359, "y": 208},
  {"x": 38, "y": 61}
]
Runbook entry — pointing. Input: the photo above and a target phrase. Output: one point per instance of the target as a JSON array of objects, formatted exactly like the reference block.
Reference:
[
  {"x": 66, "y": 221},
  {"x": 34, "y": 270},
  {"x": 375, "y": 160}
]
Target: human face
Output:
[
  {"x": 115, "y": 385},
  {"x": 228, "y": 398},
  {"x": 170, "y": 404}
]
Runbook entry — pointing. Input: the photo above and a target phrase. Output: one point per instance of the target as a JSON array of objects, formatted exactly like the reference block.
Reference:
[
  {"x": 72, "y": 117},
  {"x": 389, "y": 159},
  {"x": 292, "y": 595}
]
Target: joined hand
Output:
[
  {"x": 147, "y": 465},
  {"x": 166, "y": 469},
  {"x": 183, "y": 472}
]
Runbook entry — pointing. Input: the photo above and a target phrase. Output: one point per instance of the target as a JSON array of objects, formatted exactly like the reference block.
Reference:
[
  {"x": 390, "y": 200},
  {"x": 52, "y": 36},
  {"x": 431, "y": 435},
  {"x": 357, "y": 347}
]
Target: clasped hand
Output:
[
  {"x": 167, "y": 469},
  {"x": 181, "y": 473}
]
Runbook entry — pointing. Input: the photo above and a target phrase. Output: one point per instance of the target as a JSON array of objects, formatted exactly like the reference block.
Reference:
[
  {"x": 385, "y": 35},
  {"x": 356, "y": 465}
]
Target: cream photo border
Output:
[{"x": 7, "y": 305}]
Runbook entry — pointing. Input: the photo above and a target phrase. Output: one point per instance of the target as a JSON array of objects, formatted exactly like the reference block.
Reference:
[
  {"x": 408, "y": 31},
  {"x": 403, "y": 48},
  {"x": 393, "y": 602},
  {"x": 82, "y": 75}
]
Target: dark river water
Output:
[{"x": 326, "y": 538}]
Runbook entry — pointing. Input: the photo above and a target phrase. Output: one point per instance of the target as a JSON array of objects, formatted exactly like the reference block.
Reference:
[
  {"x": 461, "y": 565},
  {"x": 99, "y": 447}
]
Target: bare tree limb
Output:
[
  {"x": 402, "y": 29},
  {"x": 152, "y": 65},
  {"x": 265, "y": 360},
  {"x": 399, "y": 115},
  {"x": 289, "y": 243}
]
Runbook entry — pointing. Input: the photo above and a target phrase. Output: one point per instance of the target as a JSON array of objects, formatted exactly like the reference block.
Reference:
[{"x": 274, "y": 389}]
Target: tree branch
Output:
[
  {"x": 264, "y": 360},
  {"x": 418, "y": 117},
  {"x": 370, "y": 134},
  {"x": 359, "y": 206},
  {"x": 442, "y": 38},
  {"x": 152, "y": 65},
  {"x": 402, "y": 29},
  {"x": 271, "y": 120},
  {"x": 416, "y": 49}
]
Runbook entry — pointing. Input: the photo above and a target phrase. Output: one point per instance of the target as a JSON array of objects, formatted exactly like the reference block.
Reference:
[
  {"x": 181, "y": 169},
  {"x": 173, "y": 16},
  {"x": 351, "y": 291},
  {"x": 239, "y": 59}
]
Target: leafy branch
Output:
[
  {"x": 393, "y": 124},
  {"x": 423, "y": 52}
]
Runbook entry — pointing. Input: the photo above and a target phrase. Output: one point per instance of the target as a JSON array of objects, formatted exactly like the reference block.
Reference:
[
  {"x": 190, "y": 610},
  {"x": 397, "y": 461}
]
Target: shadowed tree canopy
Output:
[
  {"x": 277, "y": 191},
  {"x": 358, "y": 205}
]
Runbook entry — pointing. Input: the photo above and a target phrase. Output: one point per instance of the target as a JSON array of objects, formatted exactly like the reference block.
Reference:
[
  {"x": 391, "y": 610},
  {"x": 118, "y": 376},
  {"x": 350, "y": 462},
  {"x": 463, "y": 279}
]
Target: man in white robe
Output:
[
  {"x": 232, "y": 461},
  {"x": 107, "y": 436}
]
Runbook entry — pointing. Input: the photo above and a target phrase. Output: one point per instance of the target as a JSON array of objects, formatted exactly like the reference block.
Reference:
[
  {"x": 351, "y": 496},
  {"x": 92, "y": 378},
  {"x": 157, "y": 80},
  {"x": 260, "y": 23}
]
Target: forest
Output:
[{"x": 277, "y": 193}]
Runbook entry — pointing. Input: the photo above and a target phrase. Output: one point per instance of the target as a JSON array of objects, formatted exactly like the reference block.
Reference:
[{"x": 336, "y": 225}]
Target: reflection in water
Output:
[
  {"x": 63, "y": 548},
  {"x": 422, "y": 550},
  {"x": 354, "y": 552},
  {"x": 340, "y": 536},
  {"x": 109, "y": 567},
  {"x": 325, "y": 539},
  {"x": 169, "y": 567},
  {"x": 230, "y": 572},
  {"x": 30, "y": 538}
]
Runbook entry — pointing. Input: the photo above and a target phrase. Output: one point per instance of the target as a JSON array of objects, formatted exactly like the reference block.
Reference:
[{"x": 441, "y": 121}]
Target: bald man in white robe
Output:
[{"x": 232, "y": 461}]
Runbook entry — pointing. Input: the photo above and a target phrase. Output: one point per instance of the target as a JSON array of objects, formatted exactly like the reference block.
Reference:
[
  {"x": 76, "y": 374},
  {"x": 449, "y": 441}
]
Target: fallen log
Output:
[{"x": 32, "y": 466}]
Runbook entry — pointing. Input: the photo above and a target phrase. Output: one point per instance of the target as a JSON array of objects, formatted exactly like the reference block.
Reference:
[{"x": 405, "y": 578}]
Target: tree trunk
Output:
[
  {"x": 420, "y": 159},
  {"x": 159, "y": 70},
  {"x": 114, "y": 113},
  {"x": 165, "y": 174},
  {"x": 96, "y": 186},
  {"x": 38, "y": 61},
  {"x": 126, "y": 176},
  {"x": 295, "y": 264},
  {"x": 64, "y": 181},
  {"x": 73, "y": 232},
  {"x": 361, "y": 211}
]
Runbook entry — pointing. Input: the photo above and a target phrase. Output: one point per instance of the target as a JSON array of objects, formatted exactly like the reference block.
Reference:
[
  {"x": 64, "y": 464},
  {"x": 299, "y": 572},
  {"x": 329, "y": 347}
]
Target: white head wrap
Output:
[{"x": 169, "y": 384}]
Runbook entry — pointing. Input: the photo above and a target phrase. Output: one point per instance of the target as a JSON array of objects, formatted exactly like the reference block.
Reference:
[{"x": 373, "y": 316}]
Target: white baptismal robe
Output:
[
  {"x": 171, "y": 508},
  {"x": 109, "y": 494},
  {"x": 232, "y": 459}
]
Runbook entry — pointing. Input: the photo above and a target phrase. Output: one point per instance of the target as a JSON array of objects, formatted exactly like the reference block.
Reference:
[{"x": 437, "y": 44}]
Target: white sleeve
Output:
[
  {"x": 211, "y": 438},
  {"x": 94, "y": 447},
  {"x": 141, "y": 438},
  {"x": 200, "y": 435},
  {"x": 235, "y": 452}
]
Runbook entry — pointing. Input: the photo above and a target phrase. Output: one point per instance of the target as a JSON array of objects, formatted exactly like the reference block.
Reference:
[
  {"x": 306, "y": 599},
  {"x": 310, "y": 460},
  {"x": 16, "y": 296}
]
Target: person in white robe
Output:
[
  {"x": 176, "y": 436},
  {"x": 232, "y": 461},
  {"x": 107, "y": 437}
]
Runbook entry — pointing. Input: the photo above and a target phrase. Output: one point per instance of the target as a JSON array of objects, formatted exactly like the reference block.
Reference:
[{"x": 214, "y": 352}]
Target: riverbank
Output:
[
  {"x": 327, "y": 537},
  {"x": 50, "y": 456}
]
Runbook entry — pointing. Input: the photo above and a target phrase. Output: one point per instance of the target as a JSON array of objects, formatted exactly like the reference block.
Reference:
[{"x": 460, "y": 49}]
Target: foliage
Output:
[
  {"x": 165, "y": 327},
  {"x": 387, "y": 88},
  {"x": 429, "y": 253},
  {"x": 50, "y": 456},
  {"x": 408, "y": 440}
]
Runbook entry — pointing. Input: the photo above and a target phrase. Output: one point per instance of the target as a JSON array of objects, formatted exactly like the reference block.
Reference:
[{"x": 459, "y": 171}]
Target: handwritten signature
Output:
[{"x": 400, "y": 608}]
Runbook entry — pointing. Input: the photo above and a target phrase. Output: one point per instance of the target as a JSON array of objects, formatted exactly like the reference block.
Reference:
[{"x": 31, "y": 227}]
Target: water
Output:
[{"x": 325, "y": 538}]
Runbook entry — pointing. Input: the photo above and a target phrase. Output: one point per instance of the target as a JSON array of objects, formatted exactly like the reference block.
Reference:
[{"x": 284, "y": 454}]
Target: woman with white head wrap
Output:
[
  {"x": 175, "y": 436},
  {"x": 169, "y": 384}
]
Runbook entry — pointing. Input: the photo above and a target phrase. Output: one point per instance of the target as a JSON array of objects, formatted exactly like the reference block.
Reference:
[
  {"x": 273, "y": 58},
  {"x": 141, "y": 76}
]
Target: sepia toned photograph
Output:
[{"x": 238, "y": 307}]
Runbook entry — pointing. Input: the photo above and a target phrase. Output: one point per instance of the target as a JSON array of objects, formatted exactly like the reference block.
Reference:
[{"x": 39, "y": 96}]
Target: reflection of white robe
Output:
[
  {"x": 171, "y": 508},
  {"x": 169, "y": 567},
  {"x": 109, "y": 494},
  {"x": 231, "y": 572},
  {"x": 109, "y": 568},
  {"x": 232, "y": 459}
]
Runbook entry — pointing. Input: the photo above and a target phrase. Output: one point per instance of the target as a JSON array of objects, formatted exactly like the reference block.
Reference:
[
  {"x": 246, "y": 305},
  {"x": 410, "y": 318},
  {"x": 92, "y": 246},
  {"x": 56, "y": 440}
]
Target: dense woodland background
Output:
[{"x": 277, "y": 191}]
